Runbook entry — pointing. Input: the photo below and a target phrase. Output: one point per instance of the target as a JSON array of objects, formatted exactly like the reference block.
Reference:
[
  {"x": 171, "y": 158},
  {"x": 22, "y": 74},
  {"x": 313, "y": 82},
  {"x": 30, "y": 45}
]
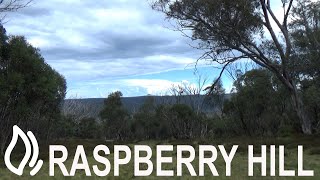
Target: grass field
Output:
[{"x": 239, "y": 164}]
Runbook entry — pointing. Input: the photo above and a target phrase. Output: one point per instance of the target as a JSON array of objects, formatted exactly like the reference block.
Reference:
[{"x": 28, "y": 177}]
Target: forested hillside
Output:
[{"x": 91, "y": 107}]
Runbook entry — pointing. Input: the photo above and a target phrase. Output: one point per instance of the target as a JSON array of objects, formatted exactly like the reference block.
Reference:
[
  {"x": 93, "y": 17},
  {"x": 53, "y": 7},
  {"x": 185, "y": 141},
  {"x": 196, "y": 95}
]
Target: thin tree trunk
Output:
[{"x": 298, "y": 106}]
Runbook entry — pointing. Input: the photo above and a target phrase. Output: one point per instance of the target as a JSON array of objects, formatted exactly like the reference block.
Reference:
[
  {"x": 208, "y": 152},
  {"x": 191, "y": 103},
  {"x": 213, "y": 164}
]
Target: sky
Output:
[{"x": 104, "y": 46}]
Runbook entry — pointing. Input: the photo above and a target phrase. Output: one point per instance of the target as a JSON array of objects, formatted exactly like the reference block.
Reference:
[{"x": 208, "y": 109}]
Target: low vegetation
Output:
[
  {"x": 274, "y": 102},
  {"x": 239, "y": 164}
]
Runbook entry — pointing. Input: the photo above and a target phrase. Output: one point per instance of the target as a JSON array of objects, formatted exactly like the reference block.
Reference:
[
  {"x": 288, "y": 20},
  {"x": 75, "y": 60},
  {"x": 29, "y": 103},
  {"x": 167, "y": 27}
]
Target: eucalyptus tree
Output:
[
  {"x": 230, "y": 31},
  {"x": 31, "y": 91},
  {"x": 305, "y": 30},
  {"x": 115, "y": 117}
]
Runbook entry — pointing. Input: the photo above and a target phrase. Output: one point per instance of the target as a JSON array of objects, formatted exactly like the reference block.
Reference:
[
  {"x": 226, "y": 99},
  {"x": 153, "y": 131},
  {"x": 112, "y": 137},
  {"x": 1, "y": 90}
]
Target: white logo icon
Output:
[{"x": 33, "y": 161}]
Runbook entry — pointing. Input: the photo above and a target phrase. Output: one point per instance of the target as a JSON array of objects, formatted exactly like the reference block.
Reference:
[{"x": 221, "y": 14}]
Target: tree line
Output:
[
  {"x": 258, "y": 105},
  {"x": 280, "y": 96}
]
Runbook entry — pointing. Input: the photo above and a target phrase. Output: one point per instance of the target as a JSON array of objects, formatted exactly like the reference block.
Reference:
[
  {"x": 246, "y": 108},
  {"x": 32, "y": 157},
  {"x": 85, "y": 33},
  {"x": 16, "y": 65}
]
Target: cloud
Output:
[
  {"x": 151, "y": 86},
  {"x": 129, "y": 87},
  {"x": 85, "y": 40},
  {"x": 100, "y": 46}
]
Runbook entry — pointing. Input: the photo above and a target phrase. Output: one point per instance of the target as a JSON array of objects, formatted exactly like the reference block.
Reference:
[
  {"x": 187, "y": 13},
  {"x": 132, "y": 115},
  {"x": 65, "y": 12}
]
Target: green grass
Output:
[{"x": 239, "y": 163}]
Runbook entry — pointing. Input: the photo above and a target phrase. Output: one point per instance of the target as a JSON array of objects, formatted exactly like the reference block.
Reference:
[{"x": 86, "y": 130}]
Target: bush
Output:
[{"x": 88, "y": 128}]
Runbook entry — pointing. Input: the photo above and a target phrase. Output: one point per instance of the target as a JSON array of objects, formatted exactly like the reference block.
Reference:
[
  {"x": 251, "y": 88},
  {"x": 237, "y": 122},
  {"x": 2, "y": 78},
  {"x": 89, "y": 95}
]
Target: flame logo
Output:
[{"x": 28, "y": 140}]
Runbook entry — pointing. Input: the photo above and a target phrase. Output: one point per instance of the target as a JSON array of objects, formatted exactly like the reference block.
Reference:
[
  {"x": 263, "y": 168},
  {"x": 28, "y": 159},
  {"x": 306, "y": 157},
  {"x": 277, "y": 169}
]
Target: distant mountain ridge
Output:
[{"x": 91, "y": 107}]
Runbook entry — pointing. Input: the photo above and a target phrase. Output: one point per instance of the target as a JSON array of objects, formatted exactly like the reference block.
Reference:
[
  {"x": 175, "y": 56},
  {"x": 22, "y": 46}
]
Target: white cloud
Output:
[
  {"x": 152, "y": 86},
  {"x": 99, "y": 45},
  {"x": 90, "y": 40}
]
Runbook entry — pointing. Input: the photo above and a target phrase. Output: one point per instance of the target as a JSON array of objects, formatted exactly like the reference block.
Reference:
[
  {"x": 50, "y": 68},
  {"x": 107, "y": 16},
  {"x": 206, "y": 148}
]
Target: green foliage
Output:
[
  {"x": 305, "y": 31},
  {"x": 259, "y": 105},
  {"x": 145, "y": 124},
  {"x": 114, "y": 117},
  {"x": 165, "y": 121},
  {"x": 31, "y": 91},
  {"x": 219, "y": 23},
  {"x": 311, "y": 95},
  {"x": 183, "y": 121},
  {"x": 88, "y": 128},
  {"x": 229, "y": 31},
  {"x": 64, "y": 127}
]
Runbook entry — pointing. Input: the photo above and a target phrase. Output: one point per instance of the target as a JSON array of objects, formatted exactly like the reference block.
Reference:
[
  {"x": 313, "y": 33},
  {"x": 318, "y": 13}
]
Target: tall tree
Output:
[
  {"x": 252, "y": 107},
  {"x": 114, "y": 117},
  {"x": 230, "y": 31},
  {"x": 305, "y": 30},
  {"x": 31, "y": 91}
]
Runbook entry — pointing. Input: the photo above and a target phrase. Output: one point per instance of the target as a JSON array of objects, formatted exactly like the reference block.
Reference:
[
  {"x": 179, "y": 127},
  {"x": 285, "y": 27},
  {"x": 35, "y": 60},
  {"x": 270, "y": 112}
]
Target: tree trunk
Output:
[{"x": 298, "y": 106}]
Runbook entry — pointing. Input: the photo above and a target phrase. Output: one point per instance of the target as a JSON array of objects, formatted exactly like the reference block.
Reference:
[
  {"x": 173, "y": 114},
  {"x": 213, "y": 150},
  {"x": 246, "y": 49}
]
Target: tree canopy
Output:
[
  {"x": 31, "y": 91},
  {"x": 230, "y": 31}
]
